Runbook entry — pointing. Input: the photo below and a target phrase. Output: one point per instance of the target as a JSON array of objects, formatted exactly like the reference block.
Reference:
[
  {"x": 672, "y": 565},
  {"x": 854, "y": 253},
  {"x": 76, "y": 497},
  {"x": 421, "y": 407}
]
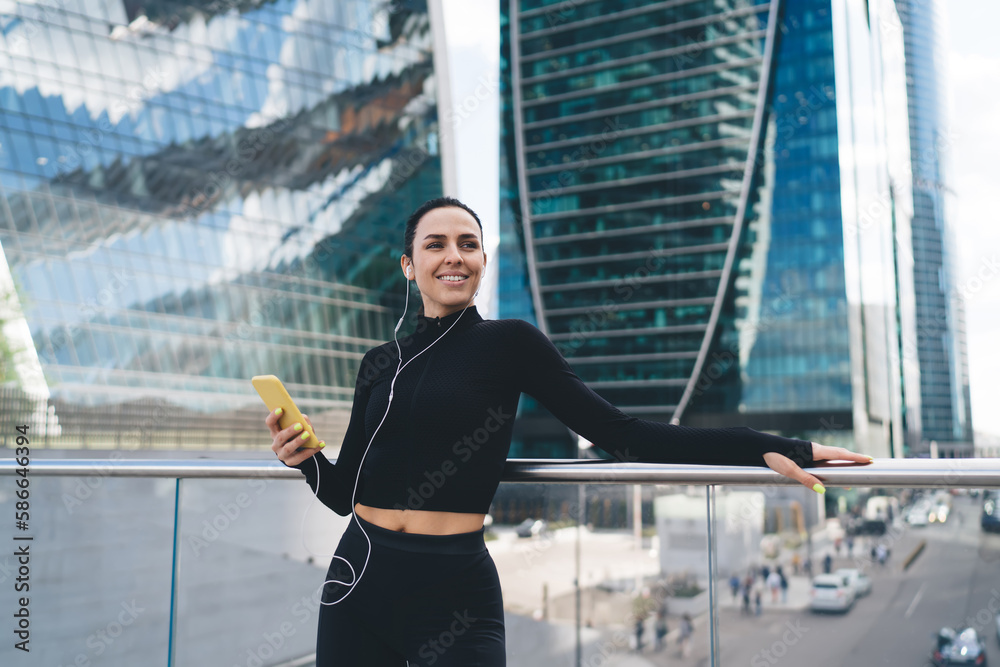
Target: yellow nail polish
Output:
[
  {"x": 819, "y": 488},
  {"x": 305, "y": 436},
  {"x": 322, "y": 444},
  {"x": 279, "y": 412},
  {"x": 298, "y": 426},
  {"x": 871, "y": 459}
]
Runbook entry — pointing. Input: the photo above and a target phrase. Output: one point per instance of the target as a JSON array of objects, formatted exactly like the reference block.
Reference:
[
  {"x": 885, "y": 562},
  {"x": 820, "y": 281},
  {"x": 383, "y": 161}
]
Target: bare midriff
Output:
[{"x": 421, "y": 521}]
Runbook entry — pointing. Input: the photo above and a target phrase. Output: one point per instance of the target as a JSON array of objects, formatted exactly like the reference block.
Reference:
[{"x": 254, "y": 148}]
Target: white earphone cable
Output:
[{"x": 357, "y": 577}]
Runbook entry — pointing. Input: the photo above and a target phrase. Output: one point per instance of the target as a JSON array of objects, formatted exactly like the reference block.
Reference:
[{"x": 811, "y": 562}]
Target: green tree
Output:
[{"x": 12, "y": 303}]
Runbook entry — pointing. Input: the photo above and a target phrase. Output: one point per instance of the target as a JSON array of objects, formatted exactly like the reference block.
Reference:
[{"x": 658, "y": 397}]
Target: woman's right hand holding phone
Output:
[{"x": 288, "y": 443}]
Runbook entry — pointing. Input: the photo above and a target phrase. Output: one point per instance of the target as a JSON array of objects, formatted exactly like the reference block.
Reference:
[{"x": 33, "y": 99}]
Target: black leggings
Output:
[{"x": 423, "y": 600}]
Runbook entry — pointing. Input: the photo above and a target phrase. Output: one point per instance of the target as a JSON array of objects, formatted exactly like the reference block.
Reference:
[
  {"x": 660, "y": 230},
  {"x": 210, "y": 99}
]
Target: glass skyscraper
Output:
[
  {"x": 940, "y": 343},
  {"x": 194, "y": 193},
  {"x": 708, "y": 213}
]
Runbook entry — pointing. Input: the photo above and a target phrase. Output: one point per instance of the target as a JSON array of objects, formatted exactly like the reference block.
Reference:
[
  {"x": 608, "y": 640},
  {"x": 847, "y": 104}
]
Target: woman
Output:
[{"x": 420, "y": 491}]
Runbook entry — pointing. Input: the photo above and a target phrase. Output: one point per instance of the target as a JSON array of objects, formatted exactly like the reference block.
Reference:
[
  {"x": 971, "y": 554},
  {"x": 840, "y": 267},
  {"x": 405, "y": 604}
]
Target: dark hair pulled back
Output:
[{"x": 423, "y": 209}]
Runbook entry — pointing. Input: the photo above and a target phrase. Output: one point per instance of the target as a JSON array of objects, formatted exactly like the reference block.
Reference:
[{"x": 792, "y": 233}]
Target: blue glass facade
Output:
[
  {"x": 796, "y": 342},
  {"x": 194, "y": 195},
  {"x": 696, "y": 194},
  {"x": 514, "y": 283},
  {"x": 940, "y": 341},
  {"x": 630, "y": 133}
]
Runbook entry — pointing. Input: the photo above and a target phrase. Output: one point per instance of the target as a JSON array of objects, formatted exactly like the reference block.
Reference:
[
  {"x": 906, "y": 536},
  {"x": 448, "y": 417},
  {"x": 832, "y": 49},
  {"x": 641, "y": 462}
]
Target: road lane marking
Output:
[{"x": 916, "y": 599}]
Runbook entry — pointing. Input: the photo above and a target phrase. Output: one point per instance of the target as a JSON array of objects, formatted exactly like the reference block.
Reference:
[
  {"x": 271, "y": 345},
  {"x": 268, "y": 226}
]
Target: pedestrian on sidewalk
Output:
[
  {"x": 687, "y": 629},
  {"x": 827, "y": 564},
  {"x": 784, "y": 585},
  {"x": 774, "y": 583},
  {"x": 745, "y": 609},
  {"x": 639, "y": 629},
  {"x": 734, "y": 585},
  {"x": 756, "y": 600},
  {"x": 796, "y": 563},
  {"x": 881, "y": 553},
  {"x": 660, "y": 629},
  {"x": 850, "y": 545}
]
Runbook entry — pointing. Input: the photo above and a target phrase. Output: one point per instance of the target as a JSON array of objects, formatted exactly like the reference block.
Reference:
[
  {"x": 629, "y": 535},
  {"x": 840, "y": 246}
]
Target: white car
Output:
[
  {"x": 919, "y": 511},
  {"x": 831, "y": 592},
  {"x": 917, "y": 516},
  {"x": 859, "y": 581}
]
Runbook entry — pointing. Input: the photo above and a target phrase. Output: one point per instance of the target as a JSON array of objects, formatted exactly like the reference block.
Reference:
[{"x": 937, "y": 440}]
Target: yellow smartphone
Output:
[{"x": 276, "y": 396}]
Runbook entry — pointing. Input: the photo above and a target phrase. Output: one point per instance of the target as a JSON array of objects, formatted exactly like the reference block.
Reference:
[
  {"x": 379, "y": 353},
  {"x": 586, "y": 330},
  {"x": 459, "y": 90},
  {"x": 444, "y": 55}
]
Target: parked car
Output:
[
  {"x": 874, "y": 527},
  {"x": 959, "y": 648},
  {"x": 859, "y": 581},
  {"x": 917, "y": 516},
  {"x": 530, "y": 528},
  {"x": 861, "y": 526},
  {"x": 831, "y": 592},
  {"x": 990, "y": 518}
]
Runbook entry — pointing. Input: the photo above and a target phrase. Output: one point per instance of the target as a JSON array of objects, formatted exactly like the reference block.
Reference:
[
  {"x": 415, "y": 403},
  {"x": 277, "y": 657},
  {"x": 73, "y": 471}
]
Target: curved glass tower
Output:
[
  {"x": 702, "y": 198},
  {"x": 196, "y": 193}
]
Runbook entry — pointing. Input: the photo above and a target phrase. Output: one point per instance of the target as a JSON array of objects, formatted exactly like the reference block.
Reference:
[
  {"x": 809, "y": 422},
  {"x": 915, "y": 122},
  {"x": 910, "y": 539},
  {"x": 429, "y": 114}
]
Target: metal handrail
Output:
[{"x": 907, "y": 473}]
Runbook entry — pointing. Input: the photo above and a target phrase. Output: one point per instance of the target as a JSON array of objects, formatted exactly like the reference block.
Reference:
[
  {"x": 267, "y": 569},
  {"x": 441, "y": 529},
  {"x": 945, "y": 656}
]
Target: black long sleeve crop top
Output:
[{"x": 444, "y": 442}]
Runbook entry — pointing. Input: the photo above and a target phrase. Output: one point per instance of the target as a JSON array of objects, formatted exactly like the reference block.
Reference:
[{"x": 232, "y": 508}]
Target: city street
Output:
[{"x": 954, "y": 579}]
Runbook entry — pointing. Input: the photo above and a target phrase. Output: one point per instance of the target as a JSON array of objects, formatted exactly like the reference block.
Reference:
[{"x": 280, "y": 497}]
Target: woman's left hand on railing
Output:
[{"x": 783, "y": 465}]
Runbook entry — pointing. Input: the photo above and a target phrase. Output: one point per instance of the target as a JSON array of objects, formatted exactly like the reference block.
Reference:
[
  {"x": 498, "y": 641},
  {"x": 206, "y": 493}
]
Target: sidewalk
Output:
[
  {"x": 797, "y": 597},
  {"x": 669, "y": 654},
  {"x": 799, "y": 585}
]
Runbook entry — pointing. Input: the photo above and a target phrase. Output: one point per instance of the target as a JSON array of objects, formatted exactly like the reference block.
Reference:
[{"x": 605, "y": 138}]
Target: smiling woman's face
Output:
[{"x": 446, "y": 243}]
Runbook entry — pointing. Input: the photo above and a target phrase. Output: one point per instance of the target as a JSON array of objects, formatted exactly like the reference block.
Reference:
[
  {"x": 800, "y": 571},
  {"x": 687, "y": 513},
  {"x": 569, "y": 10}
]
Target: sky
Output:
[
  {"x": 472, "y": 30},
  {"x": 972, "y": 74},
  {"x": 973, "y": 67}
]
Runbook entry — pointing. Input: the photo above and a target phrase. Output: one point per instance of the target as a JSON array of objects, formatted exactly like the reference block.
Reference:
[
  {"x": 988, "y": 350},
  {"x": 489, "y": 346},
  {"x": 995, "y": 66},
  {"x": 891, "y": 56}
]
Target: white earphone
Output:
[{"x": 357, "y": 577}]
